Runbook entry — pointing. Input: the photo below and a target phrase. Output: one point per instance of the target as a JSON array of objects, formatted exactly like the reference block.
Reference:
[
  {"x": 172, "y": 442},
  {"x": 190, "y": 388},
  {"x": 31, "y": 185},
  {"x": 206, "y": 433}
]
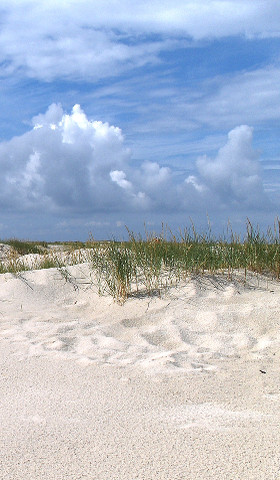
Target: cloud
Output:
[
  {"x": 193, "y": 119},
  {"x": 46, "y": 42},
  {"x": 233, "y": 178},
  {"x": 119, "y": 177},
  {"x": 62, "y": 163},
  {"x": 252, "y": 96},
  {"x": 92, "y": 39},
  {"x": 70, "y": 165},
  {"x": 219, "y": 102}
]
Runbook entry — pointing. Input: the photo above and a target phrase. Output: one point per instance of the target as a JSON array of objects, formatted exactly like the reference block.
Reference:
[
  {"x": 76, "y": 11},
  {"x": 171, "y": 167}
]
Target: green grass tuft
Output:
[{"x": 154, "y": 263}]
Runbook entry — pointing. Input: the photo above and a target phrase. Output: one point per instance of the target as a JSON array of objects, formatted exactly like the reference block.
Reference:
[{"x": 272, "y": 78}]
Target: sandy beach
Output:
[{"x": 182, "y": 386}]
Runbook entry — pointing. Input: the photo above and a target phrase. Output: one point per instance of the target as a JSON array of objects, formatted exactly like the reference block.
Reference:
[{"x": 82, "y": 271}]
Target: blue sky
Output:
[{"x": 114, "y": 114}]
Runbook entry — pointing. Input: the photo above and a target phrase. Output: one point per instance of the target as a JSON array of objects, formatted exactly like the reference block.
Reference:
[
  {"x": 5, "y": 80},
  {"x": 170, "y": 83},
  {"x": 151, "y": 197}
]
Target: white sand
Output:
[{"x": 160, "y": 388}]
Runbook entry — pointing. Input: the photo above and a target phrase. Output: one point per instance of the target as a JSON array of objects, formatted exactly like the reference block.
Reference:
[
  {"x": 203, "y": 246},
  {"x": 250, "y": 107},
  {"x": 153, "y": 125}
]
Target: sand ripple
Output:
[{"x": 189, "y": 329}]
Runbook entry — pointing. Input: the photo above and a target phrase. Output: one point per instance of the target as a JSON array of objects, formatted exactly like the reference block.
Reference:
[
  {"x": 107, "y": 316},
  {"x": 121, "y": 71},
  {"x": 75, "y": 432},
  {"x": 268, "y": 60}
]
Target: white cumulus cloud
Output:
[
  {"x": 63, "y": 162},
  {"x": 234, "y": 176},
  {"x": 119, "y": 177},
  {"x": 71, "y": 165}
]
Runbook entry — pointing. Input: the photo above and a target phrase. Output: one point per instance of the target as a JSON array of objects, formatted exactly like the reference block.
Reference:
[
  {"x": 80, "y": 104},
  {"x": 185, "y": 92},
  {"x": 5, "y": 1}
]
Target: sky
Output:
[{"x": 115, "y": 113}]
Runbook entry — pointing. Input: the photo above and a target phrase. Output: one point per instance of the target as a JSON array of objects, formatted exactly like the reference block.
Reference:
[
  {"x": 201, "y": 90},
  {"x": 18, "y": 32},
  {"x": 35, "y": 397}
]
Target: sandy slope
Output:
[{"x": 186, "y": 386}]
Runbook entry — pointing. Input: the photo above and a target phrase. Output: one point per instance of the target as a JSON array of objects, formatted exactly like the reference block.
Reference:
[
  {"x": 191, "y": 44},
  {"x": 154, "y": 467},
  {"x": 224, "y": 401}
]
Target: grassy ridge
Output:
[
  {"x": 18, "y": 259},
  {"x": 25, "y": 247},
  {"x": 155, "y": 262}
]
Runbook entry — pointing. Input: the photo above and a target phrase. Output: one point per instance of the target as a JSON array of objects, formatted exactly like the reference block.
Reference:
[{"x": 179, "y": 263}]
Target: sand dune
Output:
[{"x": 185, "y": 385}]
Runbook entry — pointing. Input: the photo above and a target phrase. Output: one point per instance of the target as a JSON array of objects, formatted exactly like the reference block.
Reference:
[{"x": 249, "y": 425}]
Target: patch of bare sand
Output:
[{"x": 183, "y": 386}]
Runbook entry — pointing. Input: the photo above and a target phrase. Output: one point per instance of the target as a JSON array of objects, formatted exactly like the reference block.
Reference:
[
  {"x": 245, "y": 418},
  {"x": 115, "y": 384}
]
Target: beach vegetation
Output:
[
  {"x": 151, "y": 263},
  {"x": 24, "y": 247},
  {"x": 156, "y": 262}
]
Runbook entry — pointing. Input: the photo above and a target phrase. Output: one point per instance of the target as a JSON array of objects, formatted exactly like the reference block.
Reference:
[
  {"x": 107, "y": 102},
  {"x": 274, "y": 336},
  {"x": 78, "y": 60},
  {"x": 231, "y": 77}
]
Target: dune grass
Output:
[
  {"x": 27, "y": 255},
  {"x": 24, "y": 247},
  {"x": 153, "y": 263},
  {"x": 156, "y": 262}
]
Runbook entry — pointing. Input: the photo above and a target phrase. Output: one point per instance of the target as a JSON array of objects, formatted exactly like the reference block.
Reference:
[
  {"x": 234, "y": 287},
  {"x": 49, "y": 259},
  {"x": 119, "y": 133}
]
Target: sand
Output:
[{"x": 186, "y": 386}]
